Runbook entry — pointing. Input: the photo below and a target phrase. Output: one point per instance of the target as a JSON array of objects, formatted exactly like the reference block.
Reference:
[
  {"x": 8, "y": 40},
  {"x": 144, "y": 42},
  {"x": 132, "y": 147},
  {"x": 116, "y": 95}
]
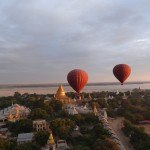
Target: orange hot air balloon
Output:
[
  {"x": 122, "y": 72},
  {"x": 77, "y": 79}
]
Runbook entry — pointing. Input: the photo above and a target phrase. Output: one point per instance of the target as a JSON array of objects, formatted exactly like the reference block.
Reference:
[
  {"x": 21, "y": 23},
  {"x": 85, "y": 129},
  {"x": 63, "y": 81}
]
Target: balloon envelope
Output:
[
  {"x": 122, "y": 72},
  {"x": 77, "y": 79}
]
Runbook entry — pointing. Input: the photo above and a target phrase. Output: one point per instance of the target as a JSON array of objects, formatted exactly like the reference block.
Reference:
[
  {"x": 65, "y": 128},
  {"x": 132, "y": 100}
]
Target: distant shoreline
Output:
[
  {"x": 7, "y": 86},
  {"x": 9, "y": 90}
]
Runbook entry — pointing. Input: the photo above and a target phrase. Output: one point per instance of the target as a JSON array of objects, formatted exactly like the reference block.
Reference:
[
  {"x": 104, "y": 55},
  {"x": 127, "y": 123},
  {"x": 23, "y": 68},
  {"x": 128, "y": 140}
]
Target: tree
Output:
[
  {"x": 139, "y": 139},
  {"x": 100, "y": 131},
  {"x": 79, "y": 119},
  {"x": 41, "y": 138},
  {"x": 107, "y": 144},
  {"x": 62, "y": 127},
  {"x": 81, "y": 147},
  {"x": 5, "y": 102},
  {"x": 29, "y": 146},
  {"x": 38, "y": 113},
  {"x": 7, "y": 145},
  {"x": 20, "y": 126},
  {"x": 91, "y": 118},
  {"x": 56, "y": 105},
  {"x": 17, "y": 96}
]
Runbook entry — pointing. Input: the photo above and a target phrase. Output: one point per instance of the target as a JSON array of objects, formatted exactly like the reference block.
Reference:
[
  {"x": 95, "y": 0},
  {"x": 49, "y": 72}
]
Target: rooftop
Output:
[{"x": 25, "y": 137}]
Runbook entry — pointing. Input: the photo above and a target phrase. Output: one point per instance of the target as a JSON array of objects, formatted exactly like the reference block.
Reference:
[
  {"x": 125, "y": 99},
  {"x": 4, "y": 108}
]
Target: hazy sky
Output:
[{"x": 42, "y": 40}]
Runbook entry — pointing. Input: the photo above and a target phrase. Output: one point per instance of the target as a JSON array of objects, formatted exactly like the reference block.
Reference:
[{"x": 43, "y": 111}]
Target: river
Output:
[{"x": 9, "y": 91}]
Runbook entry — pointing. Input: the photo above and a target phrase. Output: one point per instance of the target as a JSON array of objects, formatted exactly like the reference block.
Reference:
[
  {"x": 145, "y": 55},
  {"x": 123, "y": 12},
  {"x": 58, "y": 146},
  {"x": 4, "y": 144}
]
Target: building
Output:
[
  {"x": 76, "y": 132},
  {"x": 117, "y": 92},
  {"x": 25, "y": 138},
  {"x": 72, "y": 111},
  {"x": 130, "y": 93},
  {"x": 124, "y": 96},
  {"x": 95, "y": 110},
  {"x": 61, "y": 96},
  {"x": 83, "y": 109},
  {"x": 89, "y": 97},
  {"x": 13, "y": 113},
  {"x": 62, "y": 145},
  {"x": 103, "y": 118},
  {"x": 3, "y": 130},
  {"x": 40, "y": 125},
  {"x": 50, "y": 143},
  {"x": 47, "y": 99},
  {"x": 108, "y": 98}
]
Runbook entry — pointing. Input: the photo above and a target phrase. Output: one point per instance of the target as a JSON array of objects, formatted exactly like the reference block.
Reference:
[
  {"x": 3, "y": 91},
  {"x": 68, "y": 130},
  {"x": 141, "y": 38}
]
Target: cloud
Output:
[{"x": 42, "y": 40}]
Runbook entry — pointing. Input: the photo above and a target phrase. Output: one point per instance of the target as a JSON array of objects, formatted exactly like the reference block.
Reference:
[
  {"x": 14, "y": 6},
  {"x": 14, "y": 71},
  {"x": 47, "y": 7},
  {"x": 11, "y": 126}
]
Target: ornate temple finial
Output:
[
  {"x": 89, "y": 96},
  {"x": 95, "y": 110},
  {"x": 51, "y": 139},
  {"x": 61, "y": 91}
]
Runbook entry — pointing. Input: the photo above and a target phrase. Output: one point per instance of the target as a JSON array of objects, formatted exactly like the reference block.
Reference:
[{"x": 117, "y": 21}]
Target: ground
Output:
[
  {"x": 117, "y": 124},
  {"x": 146, "y": 127}
]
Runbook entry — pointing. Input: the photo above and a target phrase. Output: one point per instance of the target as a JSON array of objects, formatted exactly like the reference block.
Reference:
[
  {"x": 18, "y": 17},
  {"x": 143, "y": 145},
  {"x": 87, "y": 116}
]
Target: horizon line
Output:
[{"x": 66, "y": 84}]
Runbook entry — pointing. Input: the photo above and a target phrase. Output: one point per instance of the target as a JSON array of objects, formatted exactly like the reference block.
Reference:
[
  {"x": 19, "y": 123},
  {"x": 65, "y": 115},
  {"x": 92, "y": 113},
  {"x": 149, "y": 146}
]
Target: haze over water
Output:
[{"x": 52, "y": 89}]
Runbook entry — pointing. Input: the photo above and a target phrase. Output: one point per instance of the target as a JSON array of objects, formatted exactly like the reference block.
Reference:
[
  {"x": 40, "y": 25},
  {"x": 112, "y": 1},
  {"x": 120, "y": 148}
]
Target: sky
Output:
[{"x": 42, "y": 40}]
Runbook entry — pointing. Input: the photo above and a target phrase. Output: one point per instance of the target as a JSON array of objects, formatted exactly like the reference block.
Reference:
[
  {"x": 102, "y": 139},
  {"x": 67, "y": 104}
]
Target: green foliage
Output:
[
  {"x": 102, "y": 103},
  {"x": 79, "y": 119},
  {"x": 20, "y": 126},
  {"x": 7, "y": 145},
  {"x": 113, "y": 103},
  {"x": 99, "y": 94},
  {"x": 81, "y": 147},
  {"x": 29, "y": 146},
  {"x": 38, "y": 113},
  {"x": 6, "y": 101},
  {"x": 91, "y": 118},
  {"x": 129, "y": 116},
  {"x": 136, "y": 101},
  {"x": 139, "y": 139},
  {"x": 135, "y": 109},
  {"x": 62, "y": 127},
  {"x": 100, "y": 131},
  {"x": 107, "y": 144},
  {"x": 56, "y": 105},
  {"x": 147, "y": 114},
  {"x": 41, "y": 138},
  {"x": 17, "y": 95},
  {"x": 85, "y": 119},
  {"x": 85, "y": 141}
]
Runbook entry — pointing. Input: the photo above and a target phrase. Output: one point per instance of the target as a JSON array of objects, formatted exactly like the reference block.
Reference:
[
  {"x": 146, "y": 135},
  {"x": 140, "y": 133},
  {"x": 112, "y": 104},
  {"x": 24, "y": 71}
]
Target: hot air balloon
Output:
[
  {"x": 77, "y": 79},
  {"x": 122, "y": 72}
]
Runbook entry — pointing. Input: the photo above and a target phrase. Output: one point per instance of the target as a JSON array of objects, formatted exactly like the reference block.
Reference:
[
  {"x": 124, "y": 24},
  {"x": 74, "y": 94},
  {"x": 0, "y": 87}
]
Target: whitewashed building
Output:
[
  {"x": 13, "y": 113},
  {"x": 25, "y": 138},
  {"x": 40, "y": 125}
]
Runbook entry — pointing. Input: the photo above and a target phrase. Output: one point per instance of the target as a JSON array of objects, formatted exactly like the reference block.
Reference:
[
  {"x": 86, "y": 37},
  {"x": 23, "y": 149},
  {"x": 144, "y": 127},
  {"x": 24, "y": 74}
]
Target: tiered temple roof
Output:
[{"x": 61, "y": 95}]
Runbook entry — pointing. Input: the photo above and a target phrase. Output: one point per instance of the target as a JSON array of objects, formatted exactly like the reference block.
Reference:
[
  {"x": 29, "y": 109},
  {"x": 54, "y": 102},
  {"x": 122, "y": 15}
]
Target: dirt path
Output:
[
  {"x": 117, "y": 124},
  {"x": 146, "y": 128}
]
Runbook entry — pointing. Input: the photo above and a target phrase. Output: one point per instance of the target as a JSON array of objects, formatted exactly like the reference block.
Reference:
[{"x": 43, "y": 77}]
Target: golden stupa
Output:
[
  {"x": 61, "y": 95},
  {"x": 51, "y": 139}
]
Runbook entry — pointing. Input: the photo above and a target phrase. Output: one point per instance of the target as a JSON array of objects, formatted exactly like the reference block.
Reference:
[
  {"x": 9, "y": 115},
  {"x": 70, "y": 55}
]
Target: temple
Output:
[
  {"x": 50, "y": 143},
  {"x": 14, "y": 113},
  {"x": 95, "y": 110},
  {"x": 61, "y": 95}
]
